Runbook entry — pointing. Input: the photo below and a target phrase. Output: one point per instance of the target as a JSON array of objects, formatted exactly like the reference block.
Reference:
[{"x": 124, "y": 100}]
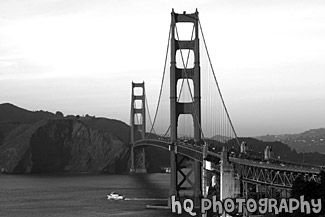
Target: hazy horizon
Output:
[
  {"x": 148, "y": 128},
  {"x": 80, "y": 57}
]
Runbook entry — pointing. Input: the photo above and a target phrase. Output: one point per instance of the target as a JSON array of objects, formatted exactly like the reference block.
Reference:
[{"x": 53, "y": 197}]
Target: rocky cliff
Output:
[{"x": 62, "y": 145}]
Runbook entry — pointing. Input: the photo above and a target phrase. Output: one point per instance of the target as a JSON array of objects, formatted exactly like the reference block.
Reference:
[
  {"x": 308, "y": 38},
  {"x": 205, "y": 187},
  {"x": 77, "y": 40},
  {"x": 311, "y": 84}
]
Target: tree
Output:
[
  {"x": 59, "y": 114},
  {"x": 310, "y": 190}
]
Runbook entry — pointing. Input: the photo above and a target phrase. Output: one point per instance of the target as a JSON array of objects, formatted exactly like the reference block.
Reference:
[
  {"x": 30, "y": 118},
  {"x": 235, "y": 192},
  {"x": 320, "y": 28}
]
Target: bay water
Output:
[{"x": 83, "y": 195}]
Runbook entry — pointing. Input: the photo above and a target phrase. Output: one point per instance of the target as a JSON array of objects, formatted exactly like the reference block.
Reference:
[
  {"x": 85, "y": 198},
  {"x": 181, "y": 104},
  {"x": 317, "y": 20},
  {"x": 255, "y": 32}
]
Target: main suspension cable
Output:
[{"x": 162, "y": 81}]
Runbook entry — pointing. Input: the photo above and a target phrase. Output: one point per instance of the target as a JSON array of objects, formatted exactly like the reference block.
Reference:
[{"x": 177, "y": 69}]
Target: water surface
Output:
[{"x": 81, "y": 195}]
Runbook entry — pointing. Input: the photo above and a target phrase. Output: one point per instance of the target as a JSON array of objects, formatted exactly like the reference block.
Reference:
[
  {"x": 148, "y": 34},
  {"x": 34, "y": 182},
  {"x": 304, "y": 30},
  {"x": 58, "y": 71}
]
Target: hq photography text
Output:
[{"x": 238, "y": 205}]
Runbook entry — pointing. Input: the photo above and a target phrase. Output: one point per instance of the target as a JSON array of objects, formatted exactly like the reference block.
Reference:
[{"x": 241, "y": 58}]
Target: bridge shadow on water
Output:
[
  {"x": 152, "y": 185},
  {"x": 155, "y": 186}
]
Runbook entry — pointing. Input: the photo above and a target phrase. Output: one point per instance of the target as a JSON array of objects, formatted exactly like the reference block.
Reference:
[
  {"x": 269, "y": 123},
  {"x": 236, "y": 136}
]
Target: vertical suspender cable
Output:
[
  {"x": 223, "y": 102},
  {"x": 150, "y": 120}
]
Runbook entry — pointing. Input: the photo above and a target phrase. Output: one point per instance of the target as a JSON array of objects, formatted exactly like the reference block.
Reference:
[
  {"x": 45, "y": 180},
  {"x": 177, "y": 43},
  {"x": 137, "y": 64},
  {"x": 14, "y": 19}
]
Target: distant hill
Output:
[
  {"x": 12, "y": 113},
  {"x": 116, "y": 127},
  {"x": 281, "y": 150},
  {"x": 11, "y": 116},
  {"x": 220, "y": 138},
  {"x": 18, "y": 125},
  {"x": 309, "y": 141}
]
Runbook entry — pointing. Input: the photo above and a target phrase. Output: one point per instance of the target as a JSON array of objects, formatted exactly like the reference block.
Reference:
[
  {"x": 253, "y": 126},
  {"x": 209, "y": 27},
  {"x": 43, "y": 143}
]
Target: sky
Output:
[{"x": 80, "y": 57}]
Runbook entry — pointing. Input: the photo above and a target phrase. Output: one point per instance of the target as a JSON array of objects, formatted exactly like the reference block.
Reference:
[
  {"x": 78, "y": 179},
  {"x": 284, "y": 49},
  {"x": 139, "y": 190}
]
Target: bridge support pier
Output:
[
  {"x": 132, "y": 168},
  {"x": 197, "y": 183},
  {"x": 173, "y": 174},
  {"x": 230, "y": 187},
  {"x": 138, "y": 130},
  {"x": 138, "y": 160},
  {"x": 205, "y": 177},
  {"x": 185, "y": 177}
]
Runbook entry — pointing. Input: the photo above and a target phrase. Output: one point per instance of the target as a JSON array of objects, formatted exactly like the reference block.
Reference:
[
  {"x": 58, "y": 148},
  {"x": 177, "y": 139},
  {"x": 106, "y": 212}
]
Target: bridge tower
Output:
[
  {"x": 180, "y": 171},
  {"x": 138, "y": 157}
]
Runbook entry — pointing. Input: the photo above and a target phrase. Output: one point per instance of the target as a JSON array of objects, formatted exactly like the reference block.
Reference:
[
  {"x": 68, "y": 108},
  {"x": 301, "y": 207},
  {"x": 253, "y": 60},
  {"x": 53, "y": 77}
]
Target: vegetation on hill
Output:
[
  {"x": 310, "y": 190},
  {"x": 309, "y": 141},
  {"x": 118, "y": 128}
]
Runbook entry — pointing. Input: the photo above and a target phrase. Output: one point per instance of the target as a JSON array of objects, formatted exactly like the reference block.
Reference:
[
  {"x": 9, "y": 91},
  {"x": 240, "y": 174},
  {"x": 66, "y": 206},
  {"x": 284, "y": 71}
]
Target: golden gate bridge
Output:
[{"x": 197, "y": 131}]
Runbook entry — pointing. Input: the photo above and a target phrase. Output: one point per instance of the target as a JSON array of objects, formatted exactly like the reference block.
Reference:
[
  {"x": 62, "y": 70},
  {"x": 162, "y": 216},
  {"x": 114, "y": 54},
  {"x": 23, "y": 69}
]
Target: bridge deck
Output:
[
  {"x": 195, "y": 152},
  {"x": 272, "y": 166}
]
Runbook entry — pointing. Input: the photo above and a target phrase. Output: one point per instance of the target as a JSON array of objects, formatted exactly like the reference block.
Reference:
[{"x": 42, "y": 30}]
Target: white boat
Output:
[{"x": 115, "y": 196}]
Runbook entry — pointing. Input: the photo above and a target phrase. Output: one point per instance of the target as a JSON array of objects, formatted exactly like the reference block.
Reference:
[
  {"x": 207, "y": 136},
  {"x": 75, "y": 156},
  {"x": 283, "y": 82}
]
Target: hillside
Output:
[
  {"x": 12, "y": 113},
  {"x": 118, "y": 128},
  {"x": 18, "y": 126},
  {"x": 12, "y": 116},
  {"x": 62, "y": 145},
  {"x": 281, "y": 150},
  {"x": 309, "y": 141}
]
